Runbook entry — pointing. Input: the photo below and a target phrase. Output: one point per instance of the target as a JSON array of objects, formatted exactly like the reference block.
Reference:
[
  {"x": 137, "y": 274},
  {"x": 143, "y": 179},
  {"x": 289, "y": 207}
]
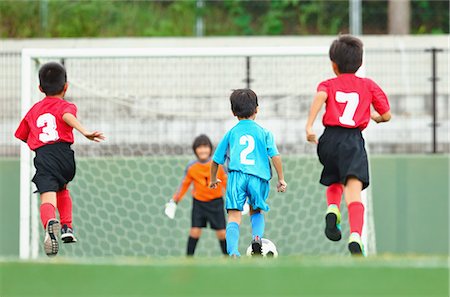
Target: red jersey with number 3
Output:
[
  {"x": 349, "y": 100},
  {"x": 44, "y": 124}
]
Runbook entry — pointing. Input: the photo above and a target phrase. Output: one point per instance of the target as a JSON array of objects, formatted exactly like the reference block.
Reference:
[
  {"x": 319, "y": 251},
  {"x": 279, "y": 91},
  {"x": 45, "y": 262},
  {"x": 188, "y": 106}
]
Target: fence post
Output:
[
  {"x": 248, "y": 78},
  {"x": 434, "y": 80}
]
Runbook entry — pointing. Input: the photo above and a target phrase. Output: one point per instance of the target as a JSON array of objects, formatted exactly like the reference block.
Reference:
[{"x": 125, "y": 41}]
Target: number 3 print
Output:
[{"x": 49, "y": 132}]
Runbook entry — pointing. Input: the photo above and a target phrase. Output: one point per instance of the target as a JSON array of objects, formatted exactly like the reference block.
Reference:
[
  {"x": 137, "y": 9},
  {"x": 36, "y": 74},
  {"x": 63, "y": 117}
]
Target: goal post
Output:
[{"x": 151, "y": 103}]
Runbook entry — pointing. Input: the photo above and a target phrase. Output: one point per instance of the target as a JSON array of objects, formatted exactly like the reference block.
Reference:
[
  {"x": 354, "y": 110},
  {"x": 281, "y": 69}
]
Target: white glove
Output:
[
  {"x": 246, "y": 209},
  {"x": 171, "y": 208}
]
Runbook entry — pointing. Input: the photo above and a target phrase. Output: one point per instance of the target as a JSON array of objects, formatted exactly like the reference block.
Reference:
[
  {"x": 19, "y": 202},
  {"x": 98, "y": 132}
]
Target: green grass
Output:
[{"x": 289, "y": 276}]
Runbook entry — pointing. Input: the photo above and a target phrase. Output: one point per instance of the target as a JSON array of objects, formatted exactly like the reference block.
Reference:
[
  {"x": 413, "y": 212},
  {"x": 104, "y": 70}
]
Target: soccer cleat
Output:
[
  {"x": 333, "y": 223},
  {"x": 67, "y": 235},
  {"x": 51, "y": 245},
  {"x": 355, "y": 245},
  {"x": 257, "y": 246}
]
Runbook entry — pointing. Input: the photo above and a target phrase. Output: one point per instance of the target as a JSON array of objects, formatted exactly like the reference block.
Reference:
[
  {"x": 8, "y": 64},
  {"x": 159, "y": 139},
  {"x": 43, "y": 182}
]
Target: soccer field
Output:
[{"x": 289, "y": 276}]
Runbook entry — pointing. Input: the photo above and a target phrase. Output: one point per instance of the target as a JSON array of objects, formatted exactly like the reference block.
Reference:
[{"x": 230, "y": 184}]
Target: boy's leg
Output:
[
  {"x": 352, "y": 192},
  {"x": 334, "y": 194},
  {"x": 333, "y": 215},
  {"x": 258, "y": 225},
  {"x": 232, "y": 232},
  {"x": 64, "y": 203},
  {"x": 48, "y": 207},
  {"x": 216, "y": 218},
  {"x": 258, "y": 194},
  {"x": 198, "y": 221},
  {"x": 194, "y": 236},
  {"x": 50, "y": 223},
  {"x": 221, "y": 236},
  {"x": 235, "y": 199}
]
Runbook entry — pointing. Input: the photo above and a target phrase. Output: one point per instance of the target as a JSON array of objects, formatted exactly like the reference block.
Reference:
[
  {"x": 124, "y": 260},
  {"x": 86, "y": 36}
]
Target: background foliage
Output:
[{"x": 107, "y": 18}]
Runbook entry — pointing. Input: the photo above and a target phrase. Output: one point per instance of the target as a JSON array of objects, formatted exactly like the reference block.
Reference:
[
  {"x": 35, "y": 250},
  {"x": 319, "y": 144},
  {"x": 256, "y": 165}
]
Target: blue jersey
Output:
[{"x": 247, "y": 148}]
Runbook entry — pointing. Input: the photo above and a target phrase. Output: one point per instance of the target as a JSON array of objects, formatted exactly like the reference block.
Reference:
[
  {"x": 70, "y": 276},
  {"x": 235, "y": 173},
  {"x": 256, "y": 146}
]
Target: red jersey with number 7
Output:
[
  {"x": 349, "y": 100},
  {"x": 44, "y": 124}
]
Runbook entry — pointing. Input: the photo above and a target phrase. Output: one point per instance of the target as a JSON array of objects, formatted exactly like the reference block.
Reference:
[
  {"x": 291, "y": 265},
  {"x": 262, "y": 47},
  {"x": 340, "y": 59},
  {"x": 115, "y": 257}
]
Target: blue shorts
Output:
[{"x": 241, "y": 186}]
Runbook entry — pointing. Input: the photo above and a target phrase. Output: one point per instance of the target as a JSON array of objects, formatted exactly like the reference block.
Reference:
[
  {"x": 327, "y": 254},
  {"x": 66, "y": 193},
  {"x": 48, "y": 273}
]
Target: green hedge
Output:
[{"x": 107, "y": 18}]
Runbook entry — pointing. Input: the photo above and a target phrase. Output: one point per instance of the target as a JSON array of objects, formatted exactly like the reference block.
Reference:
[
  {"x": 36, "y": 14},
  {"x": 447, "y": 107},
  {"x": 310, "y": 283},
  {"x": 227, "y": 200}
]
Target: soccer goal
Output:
[{"x": 151, "y": 103}]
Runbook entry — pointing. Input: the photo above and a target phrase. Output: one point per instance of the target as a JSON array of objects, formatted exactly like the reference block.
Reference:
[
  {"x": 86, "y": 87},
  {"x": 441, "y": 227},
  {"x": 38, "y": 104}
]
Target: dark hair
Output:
[
  {"x": 243, "y": 103},
  {"x": 52, "y": 78},
  {"x": 202, "y": 140},
  {"x": 347, "y": 53}
]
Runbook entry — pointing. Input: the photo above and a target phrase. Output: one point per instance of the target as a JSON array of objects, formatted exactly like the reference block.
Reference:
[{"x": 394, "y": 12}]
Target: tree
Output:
[{"x": 399, "y": 16}]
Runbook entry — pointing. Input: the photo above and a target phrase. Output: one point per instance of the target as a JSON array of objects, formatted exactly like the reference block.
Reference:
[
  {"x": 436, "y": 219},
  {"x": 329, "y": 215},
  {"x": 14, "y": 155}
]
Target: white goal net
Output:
[{"x": 151, "y": 104}]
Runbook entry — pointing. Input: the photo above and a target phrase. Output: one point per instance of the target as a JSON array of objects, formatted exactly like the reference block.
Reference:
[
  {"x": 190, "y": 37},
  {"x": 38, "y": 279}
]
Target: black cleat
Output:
[
  {"x": 355, "y": 245},
  {"x": 257, "y": 246},
  {"x": 67, "y": 235},
  {"x": 333, "y": 224},
  {"x": 51, "y": 245}
]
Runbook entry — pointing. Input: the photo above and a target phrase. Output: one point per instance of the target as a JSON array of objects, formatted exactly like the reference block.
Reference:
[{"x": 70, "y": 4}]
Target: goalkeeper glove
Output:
[{"x": 171, "y": 208}]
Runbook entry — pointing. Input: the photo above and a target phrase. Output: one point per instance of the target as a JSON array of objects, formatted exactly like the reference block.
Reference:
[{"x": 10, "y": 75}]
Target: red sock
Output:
[
  {"x": 334, "y": 194},
  {"x": 356, "y": 217},
  {"x": 64, "y": 203},
  {"x": 47, "y": 213}
]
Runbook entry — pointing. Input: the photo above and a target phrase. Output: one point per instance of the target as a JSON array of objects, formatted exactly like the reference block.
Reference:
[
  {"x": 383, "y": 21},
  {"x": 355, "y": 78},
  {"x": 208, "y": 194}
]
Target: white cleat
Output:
[{"x": 51, "y": 245}]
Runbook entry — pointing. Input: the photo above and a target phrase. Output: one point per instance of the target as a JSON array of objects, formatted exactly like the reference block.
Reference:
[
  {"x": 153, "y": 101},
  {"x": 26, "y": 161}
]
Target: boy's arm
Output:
[
  {"x": 171, "y": 206},
  {"x": 22, "y": 131},
  {"x": 73, "y": 122},
  {"x": 184, "y": 187},
  {"x": 316, "y": 106},
  {"x": 385, "y": 117},
  {"x": 214, "y": 180},
  {"x": 222, "y": 176},
  {"x": 380, "y": 103},
  {"x": 281, "y": 185},
  {"x": 218, "y": 158}
]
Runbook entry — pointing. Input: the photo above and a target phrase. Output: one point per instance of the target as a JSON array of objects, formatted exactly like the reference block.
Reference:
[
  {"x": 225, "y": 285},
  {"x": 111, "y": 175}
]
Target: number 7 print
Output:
[{"x": 352, "y": 100}]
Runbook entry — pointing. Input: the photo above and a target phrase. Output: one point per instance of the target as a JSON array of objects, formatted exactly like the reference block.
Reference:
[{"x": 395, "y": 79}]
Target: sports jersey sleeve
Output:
[
  {"x": 220, "y": 155},
  {"x": 379, "y": 99},
  {"x": 323, "y": 87},
  {"x": 272, "y": 149},
  {"x": 184, "y": 187},
  {"x": 23, "y": 130},
  {"x": 70, "y": 108}
]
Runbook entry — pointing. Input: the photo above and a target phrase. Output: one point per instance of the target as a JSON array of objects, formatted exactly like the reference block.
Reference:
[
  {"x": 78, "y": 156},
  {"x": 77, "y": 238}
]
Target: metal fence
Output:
[{"x": 415, "y": 80}]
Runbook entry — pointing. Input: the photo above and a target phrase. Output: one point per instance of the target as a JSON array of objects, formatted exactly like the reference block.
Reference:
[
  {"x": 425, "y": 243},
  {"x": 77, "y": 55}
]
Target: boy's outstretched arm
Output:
[
  {"x": 214, "y": 179},
  {"x": 281, "y": 185},
  {"x": 316, "y": 106},
  {"x": 73, "y": 122}
]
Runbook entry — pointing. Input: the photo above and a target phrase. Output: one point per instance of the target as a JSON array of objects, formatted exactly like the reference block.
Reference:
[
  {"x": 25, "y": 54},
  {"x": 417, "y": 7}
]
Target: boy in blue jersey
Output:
[{"x": 247, "y": 149}]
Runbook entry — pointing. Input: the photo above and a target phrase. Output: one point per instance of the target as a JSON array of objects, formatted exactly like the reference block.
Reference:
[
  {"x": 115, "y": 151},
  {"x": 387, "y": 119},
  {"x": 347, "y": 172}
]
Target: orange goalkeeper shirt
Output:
[{"x": 200, "y": 173}]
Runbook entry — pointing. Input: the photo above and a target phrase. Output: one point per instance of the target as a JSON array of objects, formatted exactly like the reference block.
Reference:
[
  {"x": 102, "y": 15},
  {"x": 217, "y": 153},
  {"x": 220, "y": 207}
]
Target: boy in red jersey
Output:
[
  {"x": 47, "y": 129},
  {"x": 341, "y": 150},
  {"x": 207, "y": 204}
]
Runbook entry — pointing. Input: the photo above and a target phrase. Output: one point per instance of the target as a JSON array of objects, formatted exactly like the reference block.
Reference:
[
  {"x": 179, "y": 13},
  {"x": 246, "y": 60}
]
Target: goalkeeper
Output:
[{"x": 207, "y": 204}]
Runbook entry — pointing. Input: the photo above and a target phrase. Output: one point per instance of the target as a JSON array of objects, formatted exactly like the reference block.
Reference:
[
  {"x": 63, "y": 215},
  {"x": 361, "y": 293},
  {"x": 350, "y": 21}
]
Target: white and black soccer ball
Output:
[{"x": 268, "y": 249}]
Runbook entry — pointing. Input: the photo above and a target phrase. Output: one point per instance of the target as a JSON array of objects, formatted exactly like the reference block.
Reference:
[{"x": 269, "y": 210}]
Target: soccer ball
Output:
[{"x": 268, "y": 249}]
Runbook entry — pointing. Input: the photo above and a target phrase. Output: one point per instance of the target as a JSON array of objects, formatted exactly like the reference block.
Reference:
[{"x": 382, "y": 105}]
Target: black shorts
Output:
[
  {"x": 342, "y": 154},
  {"x": 55, "y": 167},
  {"x": 211, "y": 211}
]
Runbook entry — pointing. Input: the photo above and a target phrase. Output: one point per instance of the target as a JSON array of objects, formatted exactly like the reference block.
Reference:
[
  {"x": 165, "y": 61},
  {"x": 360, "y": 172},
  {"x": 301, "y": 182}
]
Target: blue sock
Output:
[
  {"x": 233, "y": 239},
  {"x": 258, "y": 224}
]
